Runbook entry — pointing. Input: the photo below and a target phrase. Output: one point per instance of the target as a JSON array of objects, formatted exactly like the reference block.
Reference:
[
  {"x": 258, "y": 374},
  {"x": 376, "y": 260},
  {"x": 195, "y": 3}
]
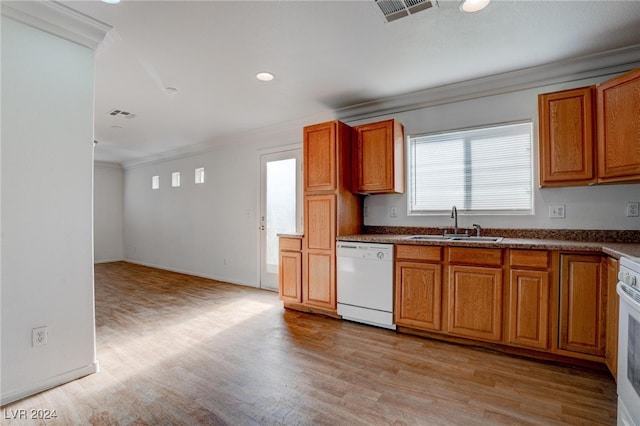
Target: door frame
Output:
[{"x": 299, "y": 207}]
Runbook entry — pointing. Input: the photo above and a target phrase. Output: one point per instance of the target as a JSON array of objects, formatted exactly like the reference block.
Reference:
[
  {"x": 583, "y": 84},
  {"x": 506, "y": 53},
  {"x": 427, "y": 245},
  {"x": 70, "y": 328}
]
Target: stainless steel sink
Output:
[
  {"x": 477, "y": 239},
  {"x": 428, "y": 238},
  {"x": 452, "y": 238}
]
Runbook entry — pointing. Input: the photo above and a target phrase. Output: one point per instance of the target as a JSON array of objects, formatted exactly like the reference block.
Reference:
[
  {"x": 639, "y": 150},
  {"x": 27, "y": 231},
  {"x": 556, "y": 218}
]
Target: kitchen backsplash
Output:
[{"x": 619, "y": 236}]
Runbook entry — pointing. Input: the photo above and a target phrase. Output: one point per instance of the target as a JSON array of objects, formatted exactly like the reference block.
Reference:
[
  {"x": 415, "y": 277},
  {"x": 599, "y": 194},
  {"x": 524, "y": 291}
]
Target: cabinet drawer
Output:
[
  {"x": 538, "y": 259},
  {"x": 475, "y": 256},
  {"x": 290, "y": 243},
  {"x": 424, "y": 253}
]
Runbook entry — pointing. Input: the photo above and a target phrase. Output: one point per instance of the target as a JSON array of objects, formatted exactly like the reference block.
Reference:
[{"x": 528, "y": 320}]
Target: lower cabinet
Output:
[
  {"x": 562, "y": 304},
  {"x": 528, "y": 299},
  {"x": 582, "y": 305},
  {"x": 418, "y": 288},
  {"x": 528, "y": 317},
  {"x": 613, "y": 305},
  {"x": 319, "y": 279},
  {"x": 475, "y": 302},
  {"x": 418, "y": 295},
  {"x": 290, "y": 270}
]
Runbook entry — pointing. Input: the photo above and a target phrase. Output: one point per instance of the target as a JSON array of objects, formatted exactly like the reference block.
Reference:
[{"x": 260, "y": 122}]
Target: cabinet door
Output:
[
  {"x": 566, "y": 122},
  {"x": 290, "y": 276},
  {"x": 613, "y": 306},
  {"x": 475, "y": 302},
  {"x": 418, "y": 295},
  {"x": 379, "y": 158},
  {"x": 528, "y": 317},
  {"x": 581, "y": 305},
  {"x": 619, "y": 128},
  {"x": 320, "y": 222},
  {"x": 319, "y": 150},
  {"x": 319, "y": 283},
  {"x": 319, "y": 287}
]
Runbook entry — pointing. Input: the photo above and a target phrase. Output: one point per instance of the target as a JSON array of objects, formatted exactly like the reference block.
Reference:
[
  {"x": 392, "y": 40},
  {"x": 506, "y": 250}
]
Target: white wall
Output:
[
  {"x": 108, "y": 212},
  {"x": 47, "y": 247},
  {"x": 193, "y": 228},
  {"x": 594, "y": 207}
]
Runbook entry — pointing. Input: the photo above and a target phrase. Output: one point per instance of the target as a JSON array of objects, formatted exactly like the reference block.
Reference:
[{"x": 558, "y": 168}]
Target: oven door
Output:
[{"x": 628, "y": 359}]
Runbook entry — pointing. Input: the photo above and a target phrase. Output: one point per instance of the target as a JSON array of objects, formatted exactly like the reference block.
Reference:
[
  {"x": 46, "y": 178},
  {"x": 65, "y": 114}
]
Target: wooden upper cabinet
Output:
[
  {"x": 582, "y": 305},
  {"x": 319, "y": 147},
  {"x": 378, "y": 160},
  {"x": 566, "y": 136},
  {"x": 619, "y": 128}
]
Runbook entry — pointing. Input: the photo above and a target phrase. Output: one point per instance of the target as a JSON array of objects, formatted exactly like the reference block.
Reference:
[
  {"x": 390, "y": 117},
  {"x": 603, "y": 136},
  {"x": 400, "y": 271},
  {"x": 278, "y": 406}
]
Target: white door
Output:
[{"x": 280, "y": 207}]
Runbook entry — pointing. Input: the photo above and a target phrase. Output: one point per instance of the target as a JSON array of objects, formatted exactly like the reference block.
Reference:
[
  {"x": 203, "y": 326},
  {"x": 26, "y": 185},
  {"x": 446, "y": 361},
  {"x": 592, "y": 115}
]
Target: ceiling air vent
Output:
[
  {"x": 121, "y": 113},
  {"x": 396, "y": 9}
]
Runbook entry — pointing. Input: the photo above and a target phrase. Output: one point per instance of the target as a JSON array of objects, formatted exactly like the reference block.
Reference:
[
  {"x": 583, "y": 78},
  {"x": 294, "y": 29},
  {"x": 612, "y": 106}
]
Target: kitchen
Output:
[
  {"x": 177, "y": 239},
  {"x": 559, "y": 296}
]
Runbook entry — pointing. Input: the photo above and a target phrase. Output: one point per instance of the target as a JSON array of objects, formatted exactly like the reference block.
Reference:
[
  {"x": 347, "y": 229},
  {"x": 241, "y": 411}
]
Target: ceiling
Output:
[{"x": 326, "y": 56}]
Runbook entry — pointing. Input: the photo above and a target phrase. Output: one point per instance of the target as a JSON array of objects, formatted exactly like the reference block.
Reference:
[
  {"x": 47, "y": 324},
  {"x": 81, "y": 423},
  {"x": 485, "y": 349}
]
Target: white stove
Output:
[{"x": 629, "y": 342}]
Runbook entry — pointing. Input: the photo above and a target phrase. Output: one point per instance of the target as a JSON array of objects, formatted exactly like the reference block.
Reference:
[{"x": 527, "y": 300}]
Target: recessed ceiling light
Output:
[
  {"x": 171, "y": 91},
  {"x": 265, "y": 76},
  {"x": 473, "y": 5},
  {"x": 111, "y": 1}
]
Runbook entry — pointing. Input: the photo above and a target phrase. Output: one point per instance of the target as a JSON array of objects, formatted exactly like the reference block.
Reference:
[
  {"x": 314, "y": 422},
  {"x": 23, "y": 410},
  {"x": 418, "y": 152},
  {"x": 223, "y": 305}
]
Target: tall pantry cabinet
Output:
[{"x": 330, "y": 210}]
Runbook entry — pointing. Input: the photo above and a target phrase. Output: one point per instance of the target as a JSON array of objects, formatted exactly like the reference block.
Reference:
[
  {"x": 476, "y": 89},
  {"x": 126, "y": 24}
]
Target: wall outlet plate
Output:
[
  {"x": 39, "y": 336},
  {"x": 557, "y": 211},
  {"x": 632, "y": 209},
  {"x": 394, "y": 211}
]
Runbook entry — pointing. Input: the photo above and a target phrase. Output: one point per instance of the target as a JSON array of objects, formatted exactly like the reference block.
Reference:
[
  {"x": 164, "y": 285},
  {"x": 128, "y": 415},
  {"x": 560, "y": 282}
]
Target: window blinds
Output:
[{"x": 484, "y": 170}]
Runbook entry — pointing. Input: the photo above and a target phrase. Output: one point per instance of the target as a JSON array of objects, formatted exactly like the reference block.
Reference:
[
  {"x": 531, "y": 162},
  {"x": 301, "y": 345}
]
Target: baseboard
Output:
[
  {"x": 108, "y": 260},
  {"x": 49, "y": 383},
  {"x": 187, "y": 272}
]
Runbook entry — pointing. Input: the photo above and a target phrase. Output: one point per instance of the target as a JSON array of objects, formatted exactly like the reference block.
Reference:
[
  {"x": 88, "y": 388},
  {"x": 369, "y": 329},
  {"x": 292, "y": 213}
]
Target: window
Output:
[
  {"x": 200, "y": 175},
  {"x": 155, "y": 182},
  {"x": 175, "y": 179},
  {"x": 485, "y": 170}
]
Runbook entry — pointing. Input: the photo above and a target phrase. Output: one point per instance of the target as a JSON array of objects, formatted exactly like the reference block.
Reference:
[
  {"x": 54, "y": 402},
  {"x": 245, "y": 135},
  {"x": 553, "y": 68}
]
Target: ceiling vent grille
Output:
[
  {"x": 396, "y": 9},
  {"x": 121, "y": 113}
]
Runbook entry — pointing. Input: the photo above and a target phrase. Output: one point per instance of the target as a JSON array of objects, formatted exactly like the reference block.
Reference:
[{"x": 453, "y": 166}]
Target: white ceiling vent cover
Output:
[
  {"x": 396, "y": 9},
  {"x": 121, "y": 113}
]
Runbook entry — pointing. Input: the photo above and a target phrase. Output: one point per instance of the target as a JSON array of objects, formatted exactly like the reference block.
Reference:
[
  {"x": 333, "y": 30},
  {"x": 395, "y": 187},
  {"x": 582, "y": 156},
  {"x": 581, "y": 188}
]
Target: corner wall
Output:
[
  {"x": 108, "y": 212},
  {"x": 47, "y": 184}
]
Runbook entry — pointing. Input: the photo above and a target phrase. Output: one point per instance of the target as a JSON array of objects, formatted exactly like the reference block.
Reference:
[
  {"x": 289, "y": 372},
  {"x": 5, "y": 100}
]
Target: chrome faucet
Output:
[{"x": 454, "y": 216}]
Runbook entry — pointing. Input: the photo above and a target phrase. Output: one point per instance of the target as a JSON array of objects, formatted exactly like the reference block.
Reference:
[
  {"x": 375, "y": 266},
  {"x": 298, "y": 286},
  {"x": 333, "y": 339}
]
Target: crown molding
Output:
[
  {"x": 272, "y": 136},
  {"x": 57, "y": 19},
  {"x": 590, "y": 66},
  {"x": 107, "y": 165}
]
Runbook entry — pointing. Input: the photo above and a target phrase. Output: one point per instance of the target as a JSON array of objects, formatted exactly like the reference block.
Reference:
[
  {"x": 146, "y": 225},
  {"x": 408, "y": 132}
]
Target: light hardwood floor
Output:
[{"x": 176, "y": 349}]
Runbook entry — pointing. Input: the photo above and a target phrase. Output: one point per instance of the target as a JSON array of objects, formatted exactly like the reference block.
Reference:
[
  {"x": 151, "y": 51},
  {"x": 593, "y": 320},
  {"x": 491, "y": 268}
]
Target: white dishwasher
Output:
[{"x": 365, "y": 283}]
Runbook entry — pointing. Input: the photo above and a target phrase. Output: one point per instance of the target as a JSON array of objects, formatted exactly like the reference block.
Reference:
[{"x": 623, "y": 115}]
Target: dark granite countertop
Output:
[{"x": 613, "y": 249}]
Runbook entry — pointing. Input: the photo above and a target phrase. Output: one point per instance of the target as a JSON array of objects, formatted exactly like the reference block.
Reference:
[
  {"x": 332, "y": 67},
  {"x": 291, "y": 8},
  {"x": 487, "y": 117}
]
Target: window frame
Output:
[{"x": 410, "y": 174}]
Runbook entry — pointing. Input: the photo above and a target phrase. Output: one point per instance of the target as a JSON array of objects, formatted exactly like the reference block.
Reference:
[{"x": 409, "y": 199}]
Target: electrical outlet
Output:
[
  {"x": 632, "y": 209},
  {"x": 394, "y": 211},
  {"x": 39, "y": 336},
  {"x": 557, "y": 211}
]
